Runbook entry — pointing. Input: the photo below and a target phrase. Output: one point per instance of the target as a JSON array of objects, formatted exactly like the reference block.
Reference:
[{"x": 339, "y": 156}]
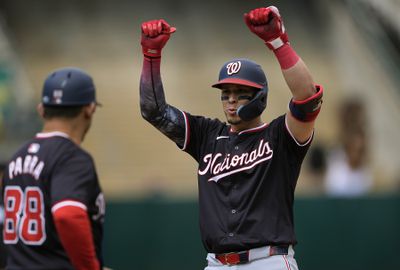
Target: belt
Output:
[{"x": 233, "y": 258}]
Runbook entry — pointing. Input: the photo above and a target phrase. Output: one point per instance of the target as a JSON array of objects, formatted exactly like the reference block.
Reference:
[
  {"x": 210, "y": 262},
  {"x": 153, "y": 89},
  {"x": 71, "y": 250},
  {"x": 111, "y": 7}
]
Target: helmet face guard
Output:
[
  {"x": 246, "y": 72},
  {"x": 68, "y": 87}
]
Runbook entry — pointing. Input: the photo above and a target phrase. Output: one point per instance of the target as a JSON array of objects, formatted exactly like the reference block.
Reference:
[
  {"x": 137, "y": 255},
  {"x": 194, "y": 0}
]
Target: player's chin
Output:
[{"x": 234, "y": 120}]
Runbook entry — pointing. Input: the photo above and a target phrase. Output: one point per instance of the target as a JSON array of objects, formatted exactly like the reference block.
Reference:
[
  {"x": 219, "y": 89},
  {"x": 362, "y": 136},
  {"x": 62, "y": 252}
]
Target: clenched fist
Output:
[
  {"x": 155, "y": 35},
  {"x": 267, "y": 24}
]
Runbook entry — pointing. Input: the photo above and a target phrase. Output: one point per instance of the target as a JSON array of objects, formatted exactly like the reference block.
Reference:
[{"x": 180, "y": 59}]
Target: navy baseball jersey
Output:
[
  {"x": 246, "y": 183},
  {"x": 46, "y": 172}
]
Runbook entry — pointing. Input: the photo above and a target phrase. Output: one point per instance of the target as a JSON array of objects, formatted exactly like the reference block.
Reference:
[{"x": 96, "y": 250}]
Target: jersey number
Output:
[{"x": 24, "y": 216}]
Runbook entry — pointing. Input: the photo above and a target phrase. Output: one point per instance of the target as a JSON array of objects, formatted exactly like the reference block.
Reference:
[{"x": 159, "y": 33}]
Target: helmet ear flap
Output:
[{"x": 255, "y": 107}]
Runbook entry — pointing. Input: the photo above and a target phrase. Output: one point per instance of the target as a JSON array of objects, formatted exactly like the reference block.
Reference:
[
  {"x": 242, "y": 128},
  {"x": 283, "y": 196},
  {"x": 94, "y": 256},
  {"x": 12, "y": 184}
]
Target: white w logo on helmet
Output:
[{"x": 233, "y": 67}]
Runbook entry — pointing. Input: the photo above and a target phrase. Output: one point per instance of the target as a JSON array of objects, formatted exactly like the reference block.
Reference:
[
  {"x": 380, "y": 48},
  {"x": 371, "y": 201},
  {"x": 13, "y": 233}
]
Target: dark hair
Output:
[{"x": 61, "y": 111}]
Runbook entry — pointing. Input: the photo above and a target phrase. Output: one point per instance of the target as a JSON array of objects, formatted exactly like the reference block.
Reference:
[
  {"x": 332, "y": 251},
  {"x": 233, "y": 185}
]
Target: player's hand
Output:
[
  {"x": 155, "y": 35},
  {"x": 267, "y": 24}
]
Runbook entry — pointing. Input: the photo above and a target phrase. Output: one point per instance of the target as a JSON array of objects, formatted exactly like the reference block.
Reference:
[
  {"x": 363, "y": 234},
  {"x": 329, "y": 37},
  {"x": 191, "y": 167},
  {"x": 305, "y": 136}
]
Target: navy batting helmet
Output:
[
  {"x": 68, "y": 87},
  {"x": 246, "y": 72}
]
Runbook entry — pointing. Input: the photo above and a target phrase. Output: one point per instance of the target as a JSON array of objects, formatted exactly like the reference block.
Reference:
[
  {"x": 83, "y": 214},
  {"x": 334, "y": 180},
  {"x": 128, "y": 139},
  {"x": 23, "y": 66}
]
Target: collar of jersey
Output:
[
  {"x": 52, "y": 134},
  {"x": 250, "y": 130}
]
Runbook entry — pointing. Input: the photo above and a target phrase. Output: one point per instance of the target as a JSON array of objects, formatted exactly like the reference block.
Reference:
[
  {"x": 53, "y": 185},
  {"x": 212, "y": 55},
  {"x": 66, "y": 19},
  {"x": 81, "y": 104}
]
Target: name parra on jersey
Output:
[{"x": 29, "y": 164}]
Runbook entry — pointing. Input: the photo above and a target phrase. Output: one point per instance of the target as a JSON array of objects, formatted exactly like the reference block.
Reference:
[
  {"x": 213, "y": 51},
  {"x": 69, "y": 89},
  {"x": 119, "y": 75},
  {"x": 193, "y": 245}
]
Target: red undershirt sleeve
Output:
[{"x": 73, "y": 227}]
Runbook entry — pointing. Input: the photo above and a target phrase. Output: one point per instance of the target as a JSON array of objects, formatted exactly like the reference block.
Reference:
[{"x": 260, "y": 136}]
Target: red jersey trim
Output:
[{"x": 251, "y": 130}]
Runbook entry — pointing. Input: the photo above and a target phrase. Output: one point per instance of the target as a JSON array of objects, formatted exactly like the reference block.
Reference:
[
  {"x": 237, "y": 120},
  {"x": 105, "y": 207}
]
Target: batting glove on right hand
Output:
[
  {"x": 267, "y": 24},
  {"x": 155, "y": 35}
]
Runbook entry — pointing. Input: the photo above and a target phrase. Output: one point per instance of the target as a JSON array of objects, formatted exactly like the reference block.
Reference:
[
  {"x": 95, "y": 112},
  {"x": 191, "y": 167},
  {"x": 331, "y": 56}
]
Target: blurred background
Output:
[{"x": 348, "y": 203}]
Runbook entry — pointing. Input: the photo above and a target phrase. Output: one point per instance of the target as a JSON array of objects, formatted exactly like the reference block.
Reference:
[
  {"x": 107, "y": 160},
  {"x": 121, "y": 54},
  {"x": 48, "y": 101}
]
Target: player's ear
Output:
[
  {"x": 40, "y": 110},
  {"x": 89, "y": 110}
]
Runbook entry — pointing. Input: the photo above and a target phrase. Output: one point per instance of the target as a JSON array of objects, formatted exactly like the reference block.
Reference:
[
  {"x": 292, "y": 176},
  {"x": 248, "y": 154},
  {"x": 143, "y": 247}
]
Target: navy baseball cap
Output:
[
  {"x": 243, "y": 72},
  {"x": 68, "y": 86}
]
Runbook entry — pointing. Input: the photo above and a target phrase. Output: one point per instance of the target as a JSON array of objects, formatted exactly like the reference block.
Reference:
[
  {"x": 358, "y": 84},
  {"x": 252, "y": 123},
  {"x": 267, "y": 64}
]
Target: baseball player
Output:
[
  {"x": 247, "y": 169},
  {"x": 54, "y": 206}
]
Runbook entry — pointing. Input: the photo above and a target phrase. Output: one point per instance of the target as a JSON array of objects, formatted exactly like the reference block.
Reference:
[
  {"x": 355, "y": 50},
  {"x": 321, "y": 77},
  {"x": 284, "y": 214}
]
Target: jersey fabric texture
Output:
[
  {"x": 246, "y": 183},
  {"x": 46, "y": 171}
]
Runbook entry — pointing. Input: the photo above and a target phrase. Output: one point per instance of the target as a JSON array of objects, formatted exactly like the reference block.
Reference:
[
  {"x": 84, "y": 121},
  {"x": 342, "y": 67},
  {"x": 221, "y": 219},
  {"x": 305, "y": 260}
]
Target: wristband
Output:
[
  {"x": 151, "y": 53},
  {"x": 286, "y": 56}
]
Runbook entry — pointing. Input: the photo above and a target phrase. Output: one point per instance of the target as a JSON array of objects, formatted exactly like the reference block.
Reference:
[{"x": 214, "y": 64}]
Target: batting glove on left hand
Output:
[
  {"x": 267, "y": 24},
  {"x": 155, "y": 35}
]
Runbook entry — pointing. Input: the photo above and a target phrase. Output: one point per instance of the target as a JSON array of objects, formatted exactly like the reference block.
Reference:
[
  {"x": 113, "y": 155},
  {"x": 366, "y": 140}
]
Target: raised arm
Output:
[
  {"x": 169, "y": 120},
  {"x": 305, "y": 105}
]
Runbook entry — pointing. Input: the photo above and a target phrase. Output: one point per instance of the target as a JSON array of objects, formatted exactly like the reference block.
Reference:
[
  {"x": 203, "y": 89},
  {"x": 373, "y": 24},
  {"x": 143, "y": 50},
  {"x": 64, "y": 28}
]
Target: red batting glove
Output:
[
  {"x": 267, "y": 24},
  {"x": 155, "y": 35}
]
